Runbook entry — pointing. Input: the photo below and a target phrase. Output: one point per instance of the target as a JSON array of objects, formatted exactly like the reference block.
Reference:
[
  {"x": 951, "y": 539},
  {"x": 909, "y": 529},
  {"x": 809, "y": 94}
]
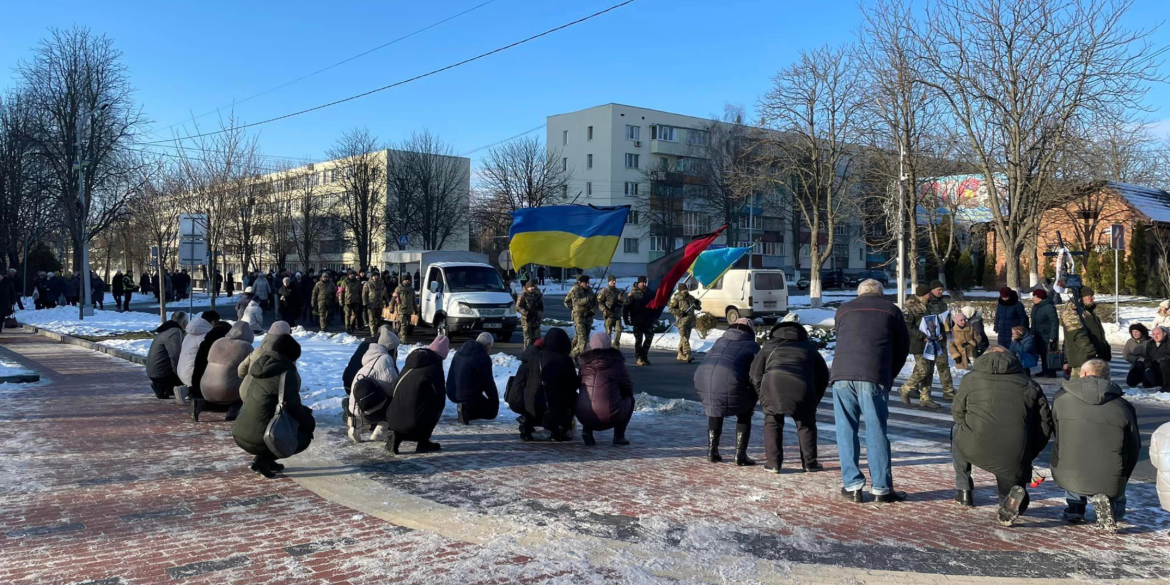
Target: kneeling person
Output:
[
  {"x": 1002, "y": 422},
  {"x": 470, "y": 383},
  {"x": 606, "y": 399},
  {"x": 220, "y": 384},
  {"x": 379, "y": 371},
  {"x": 272, "y": 379},
  {"x": 162, "y": 360}
]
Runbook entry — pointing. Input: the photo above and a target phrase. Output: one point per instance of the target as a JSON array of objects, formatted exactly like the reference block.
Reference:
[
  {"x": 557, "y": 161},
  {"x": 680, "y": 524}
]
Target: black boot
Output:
[
  {"x": 392, "y": 442},
  {"x": 263, "y": 467},
  {"x": 428, "y": 447},
  {"x": 587, "y": 437},
  {"x": 965, "y": 498},
  {"x": 1012, "y": 505},
  {"x": 233, "y": 411},
  {"x": 619, "y": 438},
  {"x": 713, "y": 446},
  {"x": 525, "y": 432},
  {"x": 742, "y": 436},
  {"x": 459, "y": 414},
  {"x": 196, "y": 408}
]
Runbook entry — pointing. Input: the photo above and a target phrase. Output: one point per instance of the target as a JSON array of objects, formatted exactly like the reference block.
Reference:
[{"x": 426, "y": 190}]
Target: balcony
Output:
[{"x": 666, "y": 147}]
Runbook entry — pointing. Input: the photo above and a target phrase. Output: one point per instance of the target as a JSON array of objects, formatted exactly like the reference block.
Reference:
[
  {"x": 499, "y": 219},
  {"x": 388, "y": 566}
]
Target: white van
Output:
[
  {"x": 746, "y": 292},
  {"x": 461, "y": 293}
]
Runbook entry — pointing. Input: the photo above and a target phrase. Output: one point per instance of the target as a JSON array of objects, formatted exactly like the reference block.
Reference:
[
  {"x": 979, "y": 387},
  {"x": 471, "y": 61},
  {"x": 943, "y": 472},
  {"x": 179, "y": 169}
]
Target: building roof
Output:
[{"x": 1152, "y": 202}]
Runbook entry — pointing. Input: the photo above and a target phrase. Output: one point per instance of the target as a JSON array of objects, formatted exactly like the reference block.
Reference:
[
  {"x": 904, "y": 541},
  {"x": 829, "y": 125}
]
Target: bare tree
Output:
[
  {"x": 516, "y": 175},
  {"x": 75, "y": 80},
  {"x": 1018, "y": 77},
  {"x": 309, "y": 208},
  {"x": 361, "y": 206},
  {"x": 430, "y": 183},
  {"x": 156, "y": 215},
  {"x": 816, "y": 106}
]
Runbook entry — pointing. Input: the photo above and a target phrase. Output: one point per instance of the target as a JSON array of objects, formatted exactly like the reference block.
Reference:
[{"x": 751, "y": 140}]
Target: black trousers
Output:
[
  {"x": 1003, "y": 483},
  {"x": 642, "y": 340},
  {"x": 806, "y": 435},
  {"x": 126, "y": 300},
  {"x": 165, "y": 387},
  {"x": 743, "y": 421},
  {"x": 482, "y": 409}
]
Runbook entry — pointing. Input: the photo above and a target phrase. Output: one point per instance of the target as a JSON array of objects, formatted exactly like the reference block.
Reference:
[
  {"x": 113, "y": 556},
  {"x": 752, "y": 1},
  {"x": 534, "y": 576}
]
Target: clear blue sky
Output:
[{"x": 686, "y": 56}]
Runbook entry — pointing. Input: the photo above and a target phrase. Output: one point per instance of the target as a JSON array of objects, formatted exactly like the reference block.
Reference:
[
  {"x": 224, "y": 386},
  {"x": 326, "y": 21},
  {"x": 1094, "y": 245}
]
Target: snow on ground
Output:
[
  {"x": 64, "y": 320},
  {"x": 1118, "y": 333},
  {"x": 818, "y": 317},
  {"x": 197, "y": 301},
  {"x": 12, "y": 368},
  {"x": 1145, "y": 395},
  {"x": 666, "y": 341}
]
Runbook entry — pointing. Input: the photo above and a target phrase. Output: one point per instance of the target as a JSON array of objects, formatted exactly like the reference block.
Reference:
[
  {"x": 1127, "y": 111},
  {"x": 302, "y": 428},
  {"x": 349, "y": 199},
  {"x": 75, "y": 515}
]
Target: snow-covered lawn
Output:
[
  {"x": 103, "y": 323},
  {"x": 819, "y": 317}
]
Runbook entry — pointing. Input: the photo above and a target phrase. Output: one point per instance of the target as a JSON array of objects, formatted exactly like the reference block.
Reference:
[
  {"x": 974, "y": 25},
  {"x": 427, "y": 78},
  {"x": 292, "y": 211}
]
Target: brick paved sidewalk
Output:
[{"x": 102, "y": 482}]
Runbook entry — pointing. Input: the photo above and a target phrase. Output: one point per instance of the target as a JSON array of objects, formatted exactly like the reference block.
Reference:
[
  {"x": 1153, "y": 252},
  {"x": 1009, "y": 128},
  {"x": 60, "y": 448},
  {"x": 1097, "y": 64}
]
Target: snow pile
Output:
[
  {"x": 1145, "y": 395},
  {"x": 817, "y": 317},
  {"x": 647, "y": 404},
  {"x": 12, "y": 368},
  {"x": 134, "y": 346},
  {"x": 666, "y": 341},
  {"x": 103, "y": 323}
]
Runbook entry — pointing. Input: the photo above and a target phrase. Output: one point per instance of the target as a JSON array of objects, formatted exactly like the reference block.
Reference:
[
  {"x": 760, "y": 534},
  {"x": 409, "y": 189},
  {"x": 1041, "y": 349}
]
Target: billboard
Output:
[{"x": 967, "y": 194}]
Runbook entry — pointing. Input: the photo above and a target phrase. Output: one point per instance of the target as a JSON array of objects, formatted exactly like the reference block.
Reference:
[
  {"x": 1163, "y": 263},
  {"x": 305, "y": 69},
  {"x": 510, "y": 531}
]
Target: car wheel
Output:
[{"x": 732, "y": 315}]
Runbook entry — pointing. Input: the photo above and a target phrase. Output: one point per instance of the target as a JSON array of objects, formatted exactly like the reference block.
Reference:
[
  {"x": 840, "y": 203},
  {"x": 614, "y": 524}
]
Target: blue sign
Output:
[{"x": 403, "y": 241}]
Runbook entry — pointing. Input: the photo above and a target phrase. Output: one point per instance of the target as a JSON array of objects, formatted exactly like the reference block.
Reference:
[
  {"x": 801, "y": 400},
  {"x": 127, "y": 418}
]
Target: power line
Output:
[
  {"x": 297, "y": 159},
  {"x": 509, "y": 139},
  {"x": 415, "y": 78},
  {"x": 339, "y": 63}
]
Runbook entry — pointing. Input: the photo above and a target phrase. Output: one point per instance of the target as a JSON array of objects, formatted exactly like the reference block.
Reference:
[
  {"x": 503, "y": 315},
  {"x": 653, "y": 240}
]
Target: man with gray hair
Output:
[
  {"x": 1097, "y": 445},
  {"x": 470, "y": 383},
  {"x": 872, "y": 345}
]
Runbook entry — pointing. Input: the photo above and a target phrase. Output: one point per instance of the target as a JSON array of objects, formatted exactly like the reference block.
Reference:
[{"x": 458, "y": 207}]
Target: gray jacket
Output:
[
  {"x": 162, "y": 360},
  {"x": 1097, "y": 438}
]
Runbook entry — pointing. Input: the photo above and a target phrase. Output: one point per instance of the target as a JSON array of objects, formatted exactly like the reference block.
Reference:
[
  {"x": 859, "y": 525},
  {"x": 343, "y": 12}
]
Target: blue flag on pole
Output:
[{"x": 711, "y": 264}]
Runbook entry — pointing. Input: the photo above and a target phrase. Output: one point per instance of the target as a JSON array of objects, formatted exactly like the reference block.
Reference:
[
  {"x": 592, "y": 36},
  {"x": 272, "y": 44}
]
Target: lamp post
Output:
[{"x": 86, "y": 309}]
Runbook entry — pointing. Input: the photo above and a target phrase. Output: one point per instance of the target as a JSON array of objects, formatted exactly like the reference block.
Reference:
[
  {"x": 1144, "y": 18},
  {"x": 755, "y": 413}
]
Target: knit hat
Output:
[
  {"x": 968, "y": 311},
  {"x": 921, "y": 290},
  {"x": 1139, "y": 327},
  {"x": 682, "y": 286},
  {"x": 279, "y": 328},
  {"x": 600, "y": 340},
  {"x": 641, "y": 279},
  {"x": 1040, "y": 294},
  {"x": 1005, "y": 291},
  {"x": 583, "y": 278},
  {"x": 936, "y": 284},
  {"x": 441, "y": 345},
  {"x": 486, "y": 339},
  {"x": 613, "y": 278},
  {"x": 1087, "y": 291}
]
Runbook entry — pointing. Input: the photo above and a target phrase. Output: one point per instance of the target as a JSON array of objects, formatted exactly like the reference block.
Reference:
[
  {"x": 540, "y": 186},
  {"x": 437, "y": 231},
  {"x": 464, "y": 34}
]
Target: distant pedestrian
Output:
[
  {"x": 1009, "y": 313},
  {"x": 638, "y": 315},
  {"x": 230, "y": 284},
  {"x": 289, "y": 302},
  {"x": 530, "y": 308},
  {"x": 540, "y": 272},
  {"x": 683, "y": 306},
  {"x": 1045, "y": 330},
  {"x": 724, "y": 385},
  {"x": 872, "y": 346}
]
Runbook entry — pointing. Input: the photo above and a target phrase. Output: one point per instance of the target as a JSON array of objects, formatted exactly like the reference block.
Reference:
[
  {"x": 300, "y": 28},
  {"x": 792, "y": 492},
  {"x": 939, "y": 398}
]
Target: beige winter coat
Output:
[{"x": 221, "y": 382}]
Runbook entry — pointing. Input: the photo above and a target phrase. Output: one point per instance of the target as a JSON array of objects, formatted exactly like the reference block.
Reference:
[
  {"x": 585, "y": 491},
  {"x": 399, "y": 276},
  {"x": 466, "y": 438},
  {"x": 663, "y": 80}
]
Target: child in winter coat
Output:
[{"x": 1023, "y": 346}]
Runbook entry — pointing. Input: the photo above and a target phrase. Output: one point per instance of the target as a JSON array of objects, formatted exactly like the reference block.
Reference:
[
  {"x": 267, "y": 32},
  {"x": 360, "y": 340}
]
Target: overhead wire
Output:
[{"x": 416, "y": 77}]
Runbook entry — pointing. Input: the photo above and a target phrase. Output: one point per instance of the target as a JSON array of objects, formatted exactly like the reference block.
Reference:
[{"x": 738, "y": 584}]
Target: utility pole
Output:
[
  {"x": 86, "y": 309},
  {"x": 901, "y": 222}
]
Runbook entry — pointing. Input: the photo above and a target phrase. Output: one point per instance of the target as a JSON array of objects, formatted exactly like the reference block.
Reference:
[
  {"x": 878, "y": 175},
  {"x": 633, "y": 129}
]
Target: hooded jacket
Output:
[
  {"x": 380, "y": 365},
  {"x": 789, "y": 372},
  {"x": 552, "y": 381},
  {"x": 254, "y": 316},
  {"x": 218, "y": 331},
  {"x": 261, "y": 397},
  {"x": 1134, "y": 349},
  {"x": 1002, "y": 419},
  {"x": 470, "y": 377},
  {"x": 162, "y": 360},
  {"x": 196, "y": 329},
  {"x": 1097, "y": 437},
  {"x": 220, "y": 383},
  {"x": 1160, "y": 458},
  {"x": 417, "y": 401},
  {"x": 723, "y": 380},
  {"x": 242, "y": 304},
  {"x": 260, "y": 287},
  {"x": 1009, "y": 314},
  {"x": 872, "y": 341},
  {"x": 606, "y": 397}
]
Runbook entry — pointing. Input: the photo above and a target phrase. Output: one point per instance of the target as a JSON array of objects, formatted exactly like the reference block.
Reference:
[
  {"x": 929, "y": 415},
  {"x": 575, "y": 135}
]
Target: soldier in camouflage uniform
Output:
[
  {"x": 351, "y": 299},
  {"x": 530, "y": 306},
  {"x": 1084, "y": 338},
  {"x": 403, "y": 305},
  {"x": 611, "y": 300},
  {"x": 322, "y": 299},
  {"x": 683, "y": 306},
  {"x": 374, "y": 298},
  {"x": 583, "y": 304},
  {"x": 925, "y": 302}
]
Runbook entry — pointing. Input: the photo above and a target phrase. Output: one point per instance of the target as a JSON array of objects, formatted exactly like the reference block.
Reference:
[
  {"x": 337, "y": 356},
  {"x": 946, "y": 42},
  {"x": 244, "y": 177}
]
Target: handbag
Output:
[
  {"x": 11, "y": 323},
  {"x": 1054, "y": 358},
  {"x": 281, "y": 434}
]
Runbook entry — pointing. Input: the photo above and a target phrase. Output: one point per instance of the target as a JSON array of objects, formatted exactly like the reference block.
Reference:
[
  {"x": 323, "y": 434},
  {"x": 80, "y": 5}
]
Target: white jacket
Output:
[
  {"x": 254, "y": 316},
  {"x": 1160, "y": 321},
  {"x": 196, "y": 330},
  {"x": 1160, "y": 457},
  {"x": 379, "y": 365}
]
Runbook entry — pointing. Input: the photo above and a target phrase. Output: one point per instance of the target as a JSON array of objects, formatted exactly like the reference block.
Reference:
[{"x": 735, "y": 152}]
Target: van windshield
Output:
[
  {"x": 769, "y": 280},
  {"x": 474, "y": 279}
]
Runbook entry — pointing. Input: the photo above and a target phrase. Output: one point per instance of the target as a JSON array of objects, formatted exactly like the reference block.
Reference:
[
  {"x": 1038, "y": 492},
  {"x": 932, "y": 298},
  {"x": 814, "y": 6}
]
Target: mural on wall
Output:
[{"x": 967, "y": 194}]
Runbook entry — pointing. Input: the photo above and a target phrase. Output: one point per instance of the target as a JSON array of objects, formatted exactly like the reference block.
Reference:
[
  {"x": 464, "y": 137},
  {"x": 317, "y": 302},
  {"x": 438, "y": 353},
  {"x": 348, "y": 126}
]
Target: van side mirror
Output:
[{"x": 434, "y": 286}]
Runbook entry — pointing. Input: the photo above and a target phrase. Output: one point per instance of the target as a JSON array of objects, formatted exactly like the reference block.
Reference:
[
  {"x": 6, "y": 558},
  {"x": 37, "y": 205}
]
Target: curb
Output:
[
  {"x": 69, "y": 339},
  {"x": 20, "y": 379}
]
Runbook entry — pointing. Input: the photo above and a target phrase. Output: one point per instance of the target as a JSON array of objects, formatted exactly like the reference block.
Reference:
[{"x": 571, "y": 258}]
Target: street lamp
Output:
[{"x": 86, "y": 309}]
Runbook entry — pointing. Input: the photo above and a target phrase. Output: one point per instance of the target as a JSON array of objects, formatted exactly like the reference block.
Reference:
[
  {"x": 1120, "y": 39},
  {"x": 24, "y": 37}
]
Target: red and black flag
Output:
[{"x": 664, "y": 273}]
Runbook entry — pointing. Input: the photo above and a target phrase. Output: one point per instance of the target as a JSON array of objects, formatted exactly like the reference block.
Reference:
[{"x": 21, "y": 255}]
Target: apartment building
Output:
[{"x": 649, "y": 159}]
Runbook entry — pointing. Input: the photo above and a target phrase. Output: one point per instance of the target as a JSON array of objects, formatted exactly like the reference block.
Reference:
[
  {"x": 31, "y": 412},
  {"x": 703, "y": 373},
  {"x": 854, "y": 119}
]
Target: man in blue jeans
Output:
[{"x": 872, "y": 345}]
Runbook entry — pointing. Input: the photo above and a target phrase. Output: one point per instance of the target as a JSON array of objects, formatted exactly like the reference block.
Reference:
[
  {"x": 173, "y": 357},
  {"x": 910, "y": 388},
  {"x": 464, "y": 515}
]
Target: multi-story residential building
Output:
[{"x": 654, "y": 161}]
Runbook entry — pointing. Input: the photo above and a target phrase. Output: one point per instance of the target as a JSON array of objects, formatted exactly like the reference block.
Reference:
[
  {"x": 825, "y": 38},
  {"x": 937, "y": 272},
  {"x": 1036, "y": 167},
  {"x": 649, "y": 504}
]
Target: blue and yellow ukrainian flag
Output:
[
  {"x": 568, "y": 236},
  {"x": 711, "y": 265}
]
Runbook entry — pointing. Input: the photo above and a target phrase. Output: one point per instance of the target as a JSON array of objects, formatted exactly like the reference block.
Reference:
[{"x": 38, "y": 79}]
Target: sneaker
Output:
[
  {"x": 378, "y": 431},
  {"x": 768, "y": 467},
  {"x": 181, "y": 394},
  {"x": 890, "y": 497},
  {"x": 1009, "y": 510},
  {"x": 1106, "y": 519}
]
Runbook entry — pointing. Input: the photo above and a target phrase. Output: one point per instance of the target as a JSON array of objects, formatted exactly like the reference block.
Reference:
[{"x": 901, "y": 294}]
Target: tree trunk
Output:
[
  {"x": 1030, "y": 252},
  {"x": 814, "y": 275},
  {"x": 942, "y": 274}
]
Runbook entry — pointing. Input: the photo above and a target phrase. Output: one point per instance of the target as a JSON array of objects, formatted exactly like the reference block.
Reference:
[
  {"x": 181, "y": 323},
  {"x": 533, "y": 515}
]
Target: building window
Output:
[
  {"x": 697, "y": 137},
  {"x": 631, "y": 245},
  {"x": 841, "y": 252},
  {"x": 631, "y": 161},
  {"x": 589, "y": 187},
  {"x": 694, "y": 223},
  {"x": 589, "y": 133},
  {"x": 631, "y": 188},
  {"x": 633, "y": 217},
  {"x": 633, "y": 132},
  {"x": 565, "y": 164},
  {"x": 564, "y": 191},
  {"x": 756, "y": 222},
  {"x": 564, "y": 137},
  {"x": 666, "y": 133},
  {"x": 761, "y": 248},
  {"x": 589, "y": 161},
  {"x": 841, "y": 230},
  {"x": 657, "y": 244}
]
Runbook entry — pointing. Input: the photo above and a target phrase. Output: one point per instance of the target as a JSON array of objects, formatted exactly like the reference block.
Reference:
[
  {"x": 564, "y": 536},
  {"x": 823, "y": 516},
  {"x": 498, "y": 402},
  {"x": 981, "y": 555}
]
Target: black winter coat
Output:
[
  {"x": 7, "y": 298},
  {"x": 218, "y": 331},
  {"x": 469, "y": 379},
  {"x": 872, "y": 341},
  {"x": 1097, "y": 438},
  {"x": 553, "y": 381},
  {"x": 789, "y": 372},
  {"x": 1002, "y": 419},
  {"x": 636, "y": 313},
  {"x": 162, "y": 360},
  {"x": 1008, "y": 315},
  {"x": 1045, "y": 324},
  {"x": 417, "y": 401},
  {"x": 355, "y": 363},
  {"x": 722, "y": 381},
  {"x": 289, "y": 299}
]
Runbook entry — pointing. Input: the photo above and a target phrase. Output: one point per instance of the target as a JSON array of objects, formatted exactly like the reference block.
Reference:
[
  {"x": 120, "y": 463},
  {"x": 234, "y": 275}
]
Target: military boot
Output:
[{"x": 924, "y": 400}]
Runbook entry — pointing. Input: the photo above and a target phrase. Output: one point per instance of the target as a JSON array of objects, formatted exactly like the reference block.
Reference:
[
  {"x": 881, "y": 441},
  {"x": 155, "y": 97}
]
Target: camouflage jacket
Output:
[
  {"x": 913, "y": 311},
  {"x": 683, "y": 305},
  {"x": 351, "y": 291},
  {"x": 611, "y": 300},
  {"x": 374, "y": 294},
  {"x": 582, "y": 302},
  {"x": 1084, "y": 338},
  {"x": 403, "y": 302},
  {"x": 322, "y": 295},
  {"x": 530, "y": 305}
]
